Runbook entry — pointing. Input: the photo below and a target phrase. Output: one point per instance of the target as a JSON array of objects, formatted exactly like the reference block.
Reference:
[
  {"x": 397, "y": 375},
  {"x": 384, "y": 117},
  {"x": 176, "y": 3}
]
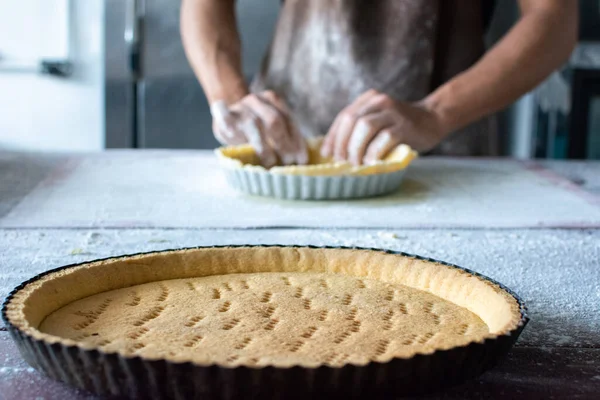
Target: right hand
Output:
[{"x": 262, "y": 120}]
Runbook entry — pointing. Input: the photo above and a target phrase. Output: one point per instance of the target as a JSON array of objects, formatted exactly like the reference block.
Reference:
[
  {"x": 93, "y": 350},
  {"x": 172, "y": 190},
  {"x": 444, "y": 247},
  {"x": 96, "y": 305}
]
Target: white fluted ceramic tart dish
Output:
[{"x": 321, "y": 179}]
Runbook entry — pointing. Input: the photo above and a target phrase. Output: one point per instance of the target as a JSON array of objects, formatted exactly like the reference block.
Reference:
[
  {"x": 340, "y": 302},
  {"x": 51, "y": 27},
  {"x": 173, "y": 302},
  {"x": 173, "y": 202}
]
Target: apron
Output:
[{"x": 325, "y": 53}]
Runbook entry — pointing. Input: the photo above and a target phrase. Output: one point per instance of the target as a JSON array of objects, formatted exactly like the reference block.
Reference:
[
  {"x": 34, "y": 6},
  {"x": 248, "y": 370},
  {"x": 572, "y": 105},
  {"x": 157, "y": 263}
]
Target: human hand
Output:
[
  {"x": 262, "y": 120},
  {"x": 374, "y": 124}
]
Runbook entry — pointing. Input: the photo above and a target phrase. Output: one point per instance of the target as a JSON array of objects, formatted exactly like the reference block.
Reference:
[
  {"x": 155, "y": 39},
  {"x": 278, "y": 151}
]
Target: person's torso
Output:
[{"x": 327, "y": 52}]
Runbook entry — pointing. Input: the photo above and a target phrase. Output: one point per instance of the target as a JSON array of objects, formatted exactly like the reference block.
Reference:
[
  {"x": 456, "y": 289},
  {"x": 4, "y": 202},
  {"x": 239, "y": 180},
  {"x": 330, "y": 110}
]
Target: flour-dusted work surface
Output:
[
  {"x": 187, "y": 189},
  {"x": 20, "y": 173},
  {"x": 554, "y": 271},
  {"x": 585, "y": 173}
]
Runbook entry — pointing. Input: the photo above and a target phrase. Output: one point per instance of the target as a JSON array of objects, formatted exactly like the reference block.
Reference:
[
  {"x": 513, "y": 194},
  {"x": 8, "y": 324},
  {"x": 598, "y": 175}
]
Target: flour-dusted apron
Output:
[{"x": 325, "y": 53}]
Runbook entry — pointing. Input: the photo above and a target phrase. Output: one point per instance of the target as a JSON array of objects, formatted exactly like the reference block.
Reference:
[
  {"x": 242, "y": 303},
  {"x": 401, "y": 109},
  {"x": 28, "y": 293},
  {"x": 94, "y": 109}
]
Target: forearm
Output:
[
  {"x": 540, "y": 41},
  {"x": 212, "y": 45}
]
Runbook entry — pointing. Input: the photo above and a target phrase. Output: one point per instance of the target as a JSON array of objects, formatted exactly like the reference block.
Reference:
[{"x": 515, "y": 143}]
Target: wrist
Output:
[
  {"x": 228, "y": 93},
  {"x": 434, "y": 125},
  {"x": 439, "y": 104},
  {"x": 219, "y": 110}
]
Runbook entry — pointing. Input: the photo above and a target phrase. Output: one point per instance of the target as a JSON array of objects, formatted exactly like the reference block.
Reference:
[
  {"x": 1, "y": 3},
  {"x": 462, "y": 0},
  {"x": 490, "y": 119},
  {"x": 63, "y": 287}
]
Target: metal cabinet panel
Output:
[{"x": 119, "y": 99}]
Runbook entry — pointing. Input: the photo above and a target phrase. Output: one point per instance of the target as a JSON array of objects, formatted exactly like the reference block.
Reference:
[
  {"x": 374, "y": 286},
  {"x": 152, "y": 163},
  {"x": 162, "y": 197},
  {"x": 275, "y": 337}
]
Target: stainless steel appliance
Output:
[
  {"x": 584, "y": 141},
  {"x": 567, "y": 106},
  {"x": 153, "y": 99}
]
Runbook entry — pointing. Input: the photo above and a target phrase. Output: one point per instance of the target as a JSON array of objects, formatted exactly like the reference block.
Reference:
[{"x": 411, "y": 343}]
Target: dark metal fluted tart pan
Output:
[{"x": 263, "y": 321}]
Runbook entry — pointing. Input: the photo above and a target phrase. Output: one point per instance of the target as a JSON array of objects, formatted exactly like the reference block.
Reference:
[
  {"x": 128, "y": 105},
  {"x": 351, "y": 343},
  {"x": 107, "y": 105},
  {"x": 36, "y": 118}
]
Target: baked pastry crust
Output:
[
  {"x": 244, "y": 156},
  {"x": 264, "y": 306}
]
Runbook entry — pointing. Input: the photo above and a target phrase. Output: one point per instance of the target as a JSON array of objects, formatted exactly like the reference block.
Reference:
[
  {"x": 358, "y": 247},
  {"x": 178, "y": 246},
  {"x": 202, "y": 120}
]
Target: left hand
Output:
[
  {"x": 374, "y": 124},
  {"x": 262, "y": 120}
]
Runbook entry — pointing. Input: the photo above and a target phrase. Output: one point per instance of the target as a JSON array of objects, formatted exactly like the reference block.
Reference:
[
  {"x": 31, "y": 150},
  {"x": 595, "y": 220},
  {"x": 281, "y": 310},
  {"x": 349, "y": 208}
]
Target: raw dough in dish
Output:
[
  {"x": 244, "y": 156},
  {"x": 264, "y": 306}
]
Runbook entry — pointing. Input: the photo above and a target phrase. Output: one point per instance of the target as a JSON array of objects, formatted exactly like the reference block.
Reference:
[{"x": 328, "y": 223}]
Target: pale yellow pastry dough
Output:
[
  {"x": 267, "y": 319},
  {"x": 274, "y": 306},
  {"x": 244, "y": 156}
]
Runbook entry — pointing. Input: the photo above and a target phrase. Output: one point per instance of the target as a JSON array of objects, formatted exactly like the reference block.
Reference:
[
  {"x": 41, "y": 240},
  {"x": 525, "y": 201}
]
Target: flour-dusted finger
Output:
[
  {"x": 219, "y": 135},
  {"x": 295, "y": 145},
  {"x": 272, "y": 98},
  {"x": 342, "y": 136},
  {"x": 252, "y": 127},
  {"x": 301, "y": 152},
  {"x": 274, "y": 128},
  {"x": 365, "y": 130},
  {"x": 328, "y": 144},
  {"x": 381, "y": 145},
  {"x": 350, "y": 108},
  {"x": 230, "y": 134},
  {"x": 365, "y": 97},
  {"x": 375, "y": 103},
  {"x": 225, "y": 124},
  {"x": 220, "y": 113},
  {"x": 347, "y": 120}
]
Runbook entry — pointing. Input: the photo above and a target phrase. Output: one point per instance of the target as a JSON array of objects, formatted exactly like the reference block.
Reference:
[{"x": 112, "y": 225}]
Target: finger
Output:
[
  {"x": 355, "y": 104},
  {"x": 375, "y": 103},
  {"x": 217, "y": 132},
  {"x": 365, "y": 97},
  {"x": 229, "y": 134},
  {"x": 225, "y": 124},
  {"x": 329, "y": 141},
  {"x": 219, "y": 112},
  {"x": 252, "y": 127},
  {"x": 301, "y": 155},
  {"x": 221, "y": 138},
  {"x": 272, "y": 98},
  {"x": 275, "y": 129},
  {"x": 365, "y": 130},
  {"x": 300, "y": 149},
  {"x": 297, "y": 148},
  {"x": 347, "y": 121},
  {"x": 342, "y": 136},
  {"x": 381, "y": 145},
  {"x": 221, "y": 117}
]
